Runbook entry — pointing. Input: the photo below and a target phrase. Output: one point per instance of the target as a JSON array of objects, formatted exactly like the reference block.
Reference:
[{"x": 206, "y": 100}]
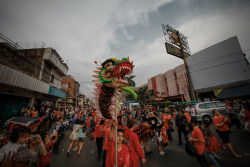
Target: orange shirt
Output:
[
  {"x": 219, "y": 120},
  {"x": 188, "y": 116},
  {"x": 197, "y": 134},
  {"x": 164, "y": 136}
]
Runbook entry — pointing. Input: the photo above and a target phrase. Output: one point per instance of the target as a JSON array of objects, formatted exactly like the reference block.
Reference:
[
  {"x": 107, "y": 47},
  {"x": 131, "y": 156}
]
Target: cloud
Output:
[{"x": 85, "y": 31}]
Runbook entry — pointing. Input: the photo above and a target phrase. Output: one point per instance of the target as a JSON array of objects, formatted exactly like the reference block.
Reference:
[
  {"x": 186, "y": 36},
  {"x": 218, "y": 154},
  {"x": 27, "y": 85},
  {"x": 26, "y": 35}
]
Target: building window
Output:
[{"x": 52, "y": 78}]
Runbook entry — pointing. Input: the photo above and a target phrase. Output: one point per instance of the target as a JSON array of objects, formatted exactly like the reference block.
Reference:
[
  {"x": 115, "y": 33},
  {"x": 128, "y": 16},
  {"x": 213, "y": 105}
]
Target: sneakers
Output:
[
  {"x": 168, "y": 149},
  {"x": 75, "y": 148},
  {"x": 162, "y": 152},
  {"x": 68, "y": 153}
]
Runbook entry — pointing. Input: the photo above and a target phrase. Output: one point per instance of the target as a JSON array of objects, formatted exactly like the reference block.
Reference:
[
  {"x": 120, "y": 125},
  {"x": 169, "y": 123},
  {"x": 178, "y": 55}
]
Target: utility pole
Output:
[
  {"x": 190, "y": 83},
  {"x": 174, "y": 46}
]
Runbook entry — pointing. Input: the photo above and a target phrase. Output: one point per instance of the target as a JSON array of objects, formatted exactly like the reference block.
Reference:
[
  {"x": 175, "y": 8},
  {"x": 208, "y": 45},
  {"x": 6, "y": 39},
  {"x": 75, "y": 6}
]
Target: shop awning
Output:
[{"x": 234, "y": 92}]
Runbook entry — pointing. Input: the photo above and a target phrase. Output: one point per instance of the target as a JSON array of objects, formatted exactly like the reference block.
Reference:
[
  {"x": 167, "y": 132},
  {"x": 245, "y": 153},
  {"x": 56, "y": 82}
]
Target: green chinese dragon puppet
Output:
[{"x": 110, "y": 74}]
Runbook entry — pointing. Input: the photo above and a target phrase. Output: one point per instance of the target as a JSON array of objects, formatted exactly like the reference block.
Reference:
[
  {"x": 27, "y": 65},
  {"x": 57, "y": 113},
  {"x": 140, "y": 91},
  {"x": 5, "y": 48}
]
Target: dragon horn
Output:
[{"x": 128, "y": 59}]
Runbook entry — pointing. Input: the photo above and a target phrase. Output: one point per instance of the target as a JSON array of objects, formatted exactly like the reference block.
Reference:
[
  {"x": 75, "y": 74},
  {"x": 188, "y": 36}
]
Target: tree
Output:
[
  {"x": 142, "y": 93},
  {"x": 130, "y": 80},
  {"x": 150, "y": 93},
  {"x": 87, "y": 100},
  {"x": 163, "y": 94}
]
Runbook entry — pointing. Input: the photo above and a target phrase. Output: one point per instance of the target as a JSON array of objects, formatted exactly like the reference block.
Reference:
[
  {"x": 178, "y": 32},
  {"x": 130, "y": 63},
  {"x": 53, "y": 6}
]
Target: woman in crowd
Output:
[
  {"x": 19, "y": 137},
  {"x": 222, "y": 128},
  {"x": 198, "y": 141},
  {"x": 81, "y": 136},
  {"x": 211, "y": 143},
  {"x": 74, "y": 136},
  {"x": 167, "y": 120},
  {"x": 49, "y": 141},
  {"x": 36, "y": 144}
]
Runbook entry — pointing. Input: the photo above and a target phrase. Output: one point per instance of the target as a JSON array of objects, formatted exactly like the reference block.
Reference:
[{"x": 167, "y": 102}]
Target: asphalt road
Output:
[{"x": 174, "y": 158}]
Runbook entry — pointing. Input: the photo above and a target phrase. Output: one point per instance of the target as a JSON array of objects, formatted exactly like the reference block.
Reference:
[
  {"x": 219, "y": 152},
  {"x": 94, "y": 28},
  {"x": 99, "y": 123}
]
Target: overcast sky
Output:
[{"x": 83, "y": 31}]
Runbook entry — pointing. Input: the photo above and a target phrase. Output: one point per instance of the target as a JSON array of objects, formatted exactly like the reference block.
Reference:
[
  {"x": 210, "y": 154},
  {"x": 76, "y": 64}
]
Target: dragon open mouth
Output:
[
  {"x": 113, "y": 72},
  {"x": 121, "y": 71}
]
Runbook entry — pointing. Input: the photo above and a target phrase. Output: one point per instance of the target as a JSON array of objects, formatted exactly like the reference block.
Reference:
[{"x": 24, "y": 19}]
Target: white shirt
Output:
[
  {"x": 192, "y": 112},
  {"x": 10, "y": 147},
  {"x": 159, "y": 137}
]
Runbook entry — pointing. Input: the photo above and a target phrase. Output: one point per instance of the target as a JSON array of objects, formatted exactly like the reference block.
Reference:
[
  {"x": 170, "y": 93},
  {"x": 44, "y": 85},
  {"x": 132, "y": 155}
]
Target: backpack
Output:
[{"x": 190, "y": 149}]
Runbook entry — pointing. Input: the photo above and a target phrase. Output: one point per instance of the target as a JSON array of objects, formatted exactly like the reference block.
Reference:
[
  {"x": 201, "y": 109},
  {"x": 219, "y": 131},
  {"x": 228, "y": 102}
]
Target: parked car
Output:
[{"x": 204, "y": 110}]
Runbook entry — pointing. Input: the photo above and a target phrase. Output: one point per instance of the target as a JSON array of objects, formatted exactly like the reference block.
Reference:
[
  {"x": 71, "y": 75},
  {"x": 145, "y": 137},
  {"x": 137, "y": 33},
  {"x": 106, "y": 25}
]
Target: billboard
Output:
[
  {"x": 173, "y": 50},
  {"x": 220, "y": 66}
]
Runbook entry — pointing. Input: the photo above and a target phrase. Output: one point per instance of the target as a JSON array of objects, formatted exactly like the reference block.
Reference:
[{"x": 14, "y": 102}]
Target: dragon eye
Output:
[{"x": 108, "y": 64}]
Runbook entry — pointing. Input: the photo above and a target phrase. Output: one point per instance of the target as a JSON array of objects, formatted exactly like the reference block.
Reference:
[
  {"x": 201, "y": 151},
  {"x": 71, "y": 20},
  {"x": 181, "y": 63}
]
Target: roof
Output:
[{"x": 234, "y": 92}]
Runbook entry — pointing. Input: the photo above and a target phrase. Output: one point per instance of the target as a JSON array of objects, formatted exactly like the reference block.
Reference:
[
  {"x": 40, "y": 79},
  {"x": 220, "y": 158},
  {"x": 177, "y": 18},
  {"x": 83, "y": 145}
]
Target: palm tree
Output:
[
  {"x": 130, "y": 80},
  {"x": 142, "y": 93},
  {"x": 87, "y": 100},
  {"x": 150, "y": 93}
]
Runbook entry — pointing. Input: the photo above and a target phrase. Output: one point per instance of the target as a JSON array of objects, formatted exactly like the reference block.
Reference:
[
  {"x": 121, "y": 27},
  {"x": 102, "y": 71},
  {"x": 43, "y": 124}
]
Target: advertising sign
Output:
[{"x": 175, "y": 51}]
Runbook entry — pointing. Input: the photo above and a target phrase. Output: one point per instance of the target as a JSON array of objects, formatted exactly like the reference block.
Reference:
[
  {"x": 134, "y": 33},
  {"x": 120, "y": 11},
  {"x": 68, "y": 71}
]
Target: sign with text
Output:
[{"x": 175, "y": 51}]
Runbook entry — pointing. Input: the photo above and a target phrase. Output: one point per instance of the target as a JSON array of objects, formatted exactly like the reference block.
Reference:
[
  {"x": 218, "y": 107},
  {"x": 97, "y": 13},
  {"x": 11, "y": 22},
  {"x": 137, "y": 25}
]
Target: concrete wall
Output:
[
  {"x": 161, "y": 85},
  {"x": 182, "y": 81},
  {"x": 219, "y": 66},
  {"x": 171, "y": 83}
]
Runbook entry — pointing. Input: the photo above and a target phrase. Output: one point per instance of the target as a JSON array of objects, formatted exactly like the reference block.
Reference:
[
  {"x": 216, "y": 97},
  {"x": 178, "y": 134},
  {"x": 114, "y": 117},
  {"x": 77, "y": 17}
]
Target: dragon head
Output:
[{"x": 113, "y": 71}]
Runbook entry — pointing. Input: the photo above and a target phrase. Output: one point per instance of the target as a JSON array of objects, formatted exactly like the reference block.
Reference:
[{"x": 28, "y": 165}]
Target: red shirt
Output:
[
  {"x": 197, "y": 134},
  {"x": 247, "y": 115},
  {"x": 164, "y": 136},
  {"x": 98, "y": 131},
  {"x": 93, "y": 115},
  {"x": 134, "y": 144},
  {"x": 45, "y": 160},
  {"x": 123, "y": 156},
  {"x": 105, "y": 145},
  {"x": 219, "y": 120},
  {"x": 88, "y": 123},
  {"x": 162, "y": 116},
  {"x": 188, "y": 116}
]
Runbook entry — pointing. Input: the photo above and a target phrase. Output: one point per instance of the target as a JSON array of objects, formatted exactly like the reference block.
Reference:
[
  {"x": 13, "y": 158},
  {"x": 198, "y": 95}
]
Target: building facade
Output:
[
  {"x": 171, "y": 85},
  {"x": 72, "y": 89},
  {"x": 28, "y": 77}
]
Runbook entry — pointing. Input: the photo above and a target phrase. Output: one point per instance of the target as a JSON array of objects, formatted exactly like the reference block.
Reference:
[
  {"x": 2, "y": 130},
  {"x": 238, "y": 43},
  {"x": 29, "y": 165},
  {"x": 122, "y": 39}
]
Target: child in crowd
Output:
[
  {"x": 164, "y": 139},
  {"x": 159, "y": 141}
]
